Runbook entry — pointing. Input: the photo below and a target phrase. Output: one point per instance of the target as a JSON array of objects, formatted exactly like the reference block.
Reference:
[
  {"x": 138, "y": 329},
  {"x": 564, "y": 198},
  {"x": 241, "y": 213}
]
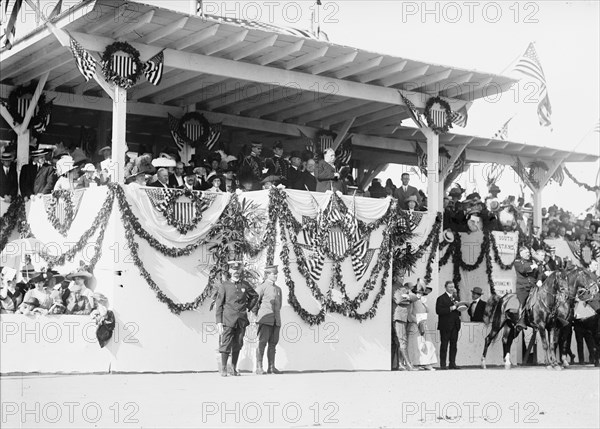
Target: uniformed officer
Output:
[
  {"x": 234, "y": 298},
  {"x": 268, "y": 317}
]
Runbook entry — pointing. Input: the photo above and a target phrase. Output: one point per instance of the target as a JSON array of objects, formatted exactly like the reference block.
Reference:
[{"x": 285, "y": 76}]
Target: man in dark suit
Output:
[
  {"x": 46, "y": 177},
  {"x": 309, "y": 181},
  {"x": 281, "y": 164},
  {"x": 405, "y": 191},
  {"x": 268, "y": 317},
  {"x": 234, "y": 298},
  {"x": 477, "y": 306},
  {"x": 448, "y": 324},
  {"x": 177, "y": 179},
  {"x": 294, "y": 174},
  {"x": 9, "y": 184},
  {"x": 162, "y": 179},
  {"x": 327, "y": 177}
]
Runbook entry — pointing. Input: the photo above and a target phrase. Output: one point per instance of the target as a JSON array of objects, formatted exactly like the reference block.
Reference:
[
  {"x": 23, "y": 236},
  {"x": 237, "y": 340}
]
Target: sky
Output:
[{"x": 480, "y": 35}]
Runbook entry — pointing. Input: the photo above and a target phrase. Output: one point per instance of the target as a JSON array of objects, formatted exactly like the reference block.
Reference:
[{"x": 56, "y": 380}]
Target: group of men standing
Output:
[{"x": 235, "y": 297}]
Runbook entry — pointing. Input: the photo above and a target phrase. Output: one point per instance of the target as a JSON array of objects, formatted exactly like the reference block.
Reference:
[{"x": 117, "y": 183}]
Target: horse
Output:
[{"x": 548, "y": 308}]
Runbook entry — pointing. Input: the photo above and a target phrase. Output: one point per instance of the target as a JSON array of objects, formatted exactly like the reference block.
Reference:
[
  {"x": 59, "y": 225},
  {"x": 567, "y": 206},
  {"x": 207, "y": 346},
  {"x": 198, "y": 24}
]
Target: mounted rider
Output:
[{"x": 528, "y": 273}]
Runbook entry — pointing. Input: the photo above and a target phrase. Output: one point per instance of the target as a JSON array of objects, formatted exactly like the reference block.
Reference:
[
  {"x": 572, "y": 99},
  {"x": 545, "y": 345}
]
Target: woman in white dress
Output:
[
  {"x": 426, "y": 348},
  {"x": 67, "y": 174}
]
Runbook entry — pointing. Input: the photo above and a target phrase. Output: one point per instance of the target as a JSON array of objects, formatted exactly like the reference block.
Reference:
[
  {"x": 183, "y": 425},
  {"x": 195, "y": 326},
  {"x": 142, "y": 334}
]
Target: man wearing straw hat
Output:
[
  {"x": 268, "y": 317},
  {"x": 9, "y": 184},
  {"x": 234, "y": 298}
]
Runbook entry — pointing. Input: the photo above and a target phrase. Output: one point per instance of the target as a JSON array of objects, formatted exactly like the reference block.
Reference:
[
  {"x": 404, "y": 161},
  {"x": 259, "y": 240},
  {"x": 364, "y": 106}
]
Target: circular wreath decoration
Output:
[
  {"x": 169, "y": 213},
  {"x": 62, "y": 228},
  {"x": 124, "y": 82},
  {"x": 13, "y": 103},
  {"x": 587, "y": 253},
  {"x": 194, "y": 116},
  {"x": 430, "y": 123}
]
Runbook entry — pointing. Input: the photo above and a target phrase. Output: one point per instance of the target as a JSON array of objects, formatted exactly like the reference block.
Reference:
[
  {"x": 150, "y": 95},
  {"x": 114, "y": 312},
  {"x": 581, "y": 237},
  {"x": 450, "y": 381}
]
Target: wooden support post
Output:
[
  {"x": 343, "y": 132},
  {"x": 537, "y": 207},
  {"x": 119, "y": 121},
  {"x": 23, "y": 149},
  {"x": 434, "y": 196}
]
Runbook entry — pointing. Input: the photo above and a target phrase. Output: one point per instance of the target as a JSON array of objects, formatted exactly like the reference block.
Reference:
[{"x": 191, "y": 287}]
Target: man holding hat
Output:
[
  {"x": 405, "y": 191},
  {"x": 294, "y": 175},
  {"x": 477, "y": 306},
  {"x": 403, "y": 299},
  {"x": 88, "y": 178},
  {"x": 268, "y": 317},
  {"x": 446, "y": 307},
  {"x": 9, "y": 184},
  {"x": 234, "y": 298}
]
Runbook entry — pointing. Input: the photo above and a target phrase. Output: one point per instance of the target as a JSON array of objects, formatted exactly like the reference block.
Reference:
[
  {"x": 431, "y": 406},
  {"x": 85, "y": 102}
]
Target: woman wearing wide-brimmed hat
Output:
[
  {"x": 67, "y": 174},
  {"x": 426, "y": 348},
  {"x": 80, "y": 299},
  {"x": 40, "y": 291}
]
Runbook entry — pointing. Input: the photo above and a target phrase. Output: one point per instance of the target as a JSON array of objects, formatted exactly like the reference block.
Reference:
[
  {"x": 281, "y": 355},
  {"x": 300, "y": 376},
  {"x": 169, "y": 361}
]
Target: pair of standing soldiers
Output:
[{"x": 234, "y": 298}]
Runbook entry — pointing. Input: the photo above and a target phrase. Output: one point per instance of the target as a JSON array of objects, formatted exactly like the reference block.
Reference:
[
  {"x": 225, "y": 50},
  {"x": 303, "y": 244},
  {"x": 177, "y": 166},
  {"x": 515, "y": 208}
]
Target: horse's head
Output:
[{"x": 586, "y": 284}]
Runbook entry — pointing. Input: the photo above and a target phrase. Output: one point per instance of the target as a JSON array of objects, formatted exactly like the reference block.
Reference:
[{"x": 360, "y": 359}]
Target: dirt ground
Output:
[{"x": 521, "y": 397}]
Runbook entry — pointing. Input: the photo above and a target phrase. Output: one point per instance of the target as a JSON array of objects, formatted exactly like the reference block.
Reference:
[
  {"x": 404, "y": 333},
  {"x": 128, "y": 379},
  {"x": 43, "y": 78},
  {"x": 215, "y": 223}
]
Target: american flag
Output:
[
  {"x": 256, "y": 25},
  {"x": 214, "y": 135},
  {"x": 325, "y": 141},
  {"x": 460, "y": 117},
  {"x": 153, "y": 69},
  {"x": 173, "y": 127},
  {"x": 412, "y": 111},
  {"x": 502, "y": 133},
  {"x": 344, "y": 152},
  {"x": 11, "y": 27},
  {"x": 421, "y": 159},
  {"x": 43, "y": 117},
  {"x": 529, "y": 64},
  {"x": 85, "y": 62}
]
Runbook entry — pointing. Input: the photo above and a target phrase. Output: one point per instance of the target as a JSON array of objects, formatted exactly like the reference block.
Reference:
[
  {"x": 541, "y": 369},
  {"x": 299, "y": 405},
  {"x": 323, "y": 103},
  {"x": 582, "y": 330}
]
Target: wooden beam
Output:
[
  {"x": 47, "y": 67},
  {"x": 384, "y": 112},
  {"x": 250, "y": 91},
  {"x": 255, "y": 73},
  {"x": 288, "y": 97},
  {"x": 9, "y": 119},
  {"x": 135, "y": 23},
  {"x": 252, "y": 49},
  {"x": 106, "y": 18},
  {"x": 306, "y": 58},
  {"x": 33, "y": 103},
  {"x": 184, "y": 88},
  {"x": 195, "y": 38},
  {"x": 363, "y": 185},
  {"x": 280, "y": 53},
  {"x": 169, "y": 80},
  {"x": 453, "y": 84},
  {"x": 201, "y": 95},
  {"x": 431, "y": 79},
  {"x": 456, "y": 92},
  {"x": 64, "y": 78},
  {"x": 359, "y": 68},
  {"x": 457, "y": 153},
  {"x": 357, "y": 112},
  {"x": 331, "y": 109},
  {"x": 223, "y": 44},
  {"x": 404, "y": 77},
  {"x": 165, "y": 31},
  {"x": 299, "y": 109},
  {"x": 51, "y": 51},
  {"x": 383, "y": 72},
  {"x": 333, "y": 63},
  {"x": 342, "y": 133}
]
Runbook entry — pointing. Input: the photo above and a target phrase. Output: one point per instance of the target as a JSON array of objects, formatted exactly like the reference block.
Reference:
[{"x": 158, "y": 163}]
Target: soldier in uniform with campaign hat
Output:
[
  {"x": 234, "y": 298},
  {"x": 268, "y": 317}
]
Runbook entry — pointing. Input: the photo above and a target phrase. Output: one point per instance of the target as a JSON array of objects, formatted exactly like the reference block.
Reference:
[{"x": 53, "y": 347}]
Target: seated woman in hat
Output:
[
  {"x": 40, "y": 292},
  {"x": 11, "y": 296},
  {"x": 216, "y": 181},
  {"x": 67, "y": 174},
  {"x": 80, "y": 299},
  {"x": 89, "y": 177},
  {"x": 31, "y": 307}
]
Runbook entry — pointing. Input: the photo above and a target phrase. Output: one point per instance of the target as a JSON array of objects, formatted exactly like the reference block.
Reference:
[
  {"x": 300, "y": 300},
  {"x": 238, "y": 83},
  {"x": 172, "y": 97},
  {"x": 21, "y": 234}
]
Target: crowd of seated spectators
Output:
[
  {"x": 48, "y": 292},
  {"x": 52, "y": 168}
]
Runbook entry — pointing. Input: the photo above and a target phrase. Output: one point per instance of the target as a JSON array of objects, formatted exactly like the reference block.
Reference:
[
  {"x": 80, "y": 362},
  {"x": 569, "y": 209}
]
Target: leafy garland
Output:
[
  {"x": 124, "y": 82},
  {"x": 169, "y": 213},
  {"x": 100, "y": 223},
  {"x": 430, "y": 123},
  {"x": 13, "y": 102},
  {"x": 290, "y": 228},
  {"x": 14, "y": 216},
  {"x": 584, "y": 185},
  {"x": 62, "y": 228},
  {"x": 406, "y": 259}
]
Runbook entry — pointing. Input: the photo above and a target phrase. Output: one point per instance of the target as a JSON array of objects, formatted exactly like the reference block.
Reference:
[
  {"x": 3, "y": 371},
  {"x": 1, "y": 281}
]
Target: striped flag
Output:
[
  {"x": 325, "y": 141},
  {"x": 460, "y": 117},
  {"x": 173, "y": 127},
  {"x": 421, "y": 159},
  {"x": 23, "y": 104},
  {"x": 529, "y": 64},
  {"x": 153, "y": 69},
  {"x": 43, "y": 117},
  {"x": 344, "y": 152},
  {"x": 502, "y": 133},
  {"x": 11, "y": 27},
  {"x": 123, "y": 65},
  {"x": 214, "y": 135},
  {"x": 85, "y": 62},
  {"x": 412, "y": 111}
]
